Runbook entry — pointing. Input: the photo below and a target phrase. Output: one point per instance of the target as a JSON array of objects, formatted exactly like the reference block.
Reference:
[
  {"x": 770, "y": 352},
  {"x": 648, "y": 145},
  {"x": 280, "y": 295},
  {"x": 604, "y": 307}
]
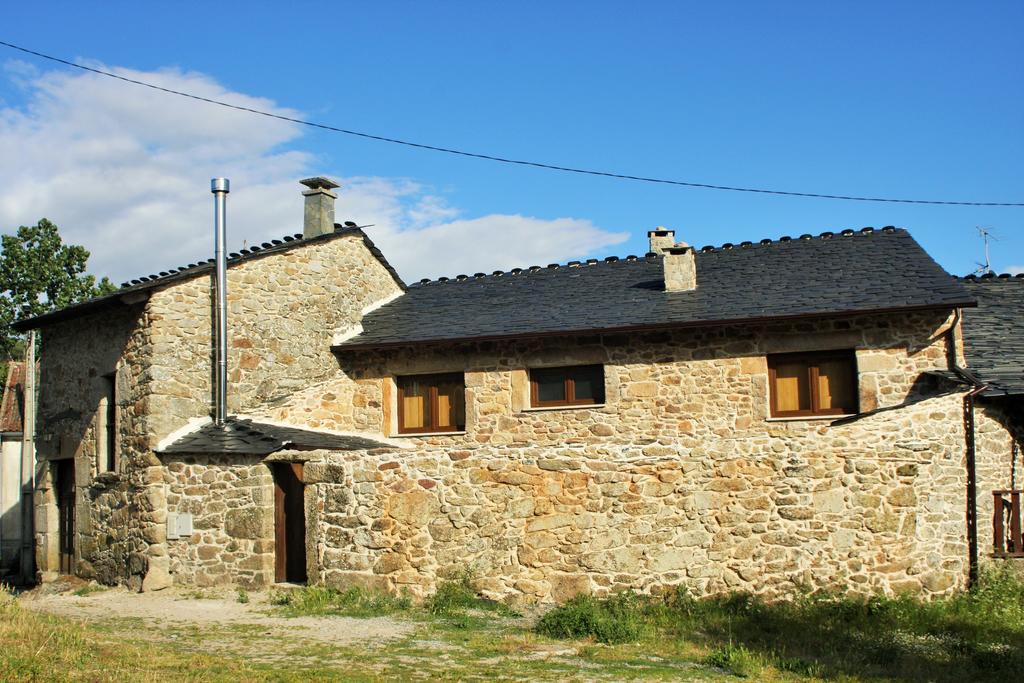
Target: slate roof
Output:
[
  {"x": 994, "y": 332},
  {"x": 11, "y": 406},
  {"x": 243, "y": 436},
  {"x": 841, "y": 273},
  {"x": 148, "y": 282}
]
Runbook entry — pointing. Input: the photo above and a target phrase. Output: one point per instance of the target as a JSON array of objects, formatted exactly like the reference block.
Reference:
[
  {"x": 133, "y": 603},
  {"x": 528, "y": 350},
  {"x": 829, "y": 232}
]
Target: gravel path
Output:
[{"x": 213, "y": 613}]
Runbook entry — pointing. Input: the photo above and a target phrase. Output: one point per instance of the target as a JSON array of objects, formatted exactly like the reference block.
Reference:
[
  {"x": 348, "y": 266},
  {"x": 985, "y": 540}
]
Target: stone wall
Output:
[
  {"x": 999, "y": 423},
  {"x": 283, "y": 312},
  {"x": 231, "y": 500},
  {"x": 284, "y": 309},
  {"x": 686, "y": 384},
  {"x": 799, "y": 511},
  {"x": 111, "y": 522},
  {"x": 681, "y": 477}
]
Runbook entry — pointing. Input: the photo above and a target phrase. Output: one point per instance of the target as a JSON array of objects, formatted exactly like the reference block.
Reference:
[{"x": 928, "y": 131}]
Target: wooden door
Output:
[
  {"x": 289, "y": 523},
  {"x": 65, "y": 494}
]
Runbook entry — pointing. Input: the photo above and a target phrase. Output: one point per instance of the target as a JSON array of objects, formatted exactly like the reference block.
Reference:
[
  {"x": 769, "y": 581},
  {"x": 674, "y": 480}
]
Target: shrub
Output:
[
  {"x": 458, "y": 594},
  {"x": 735, "y": 659},
  {"x": 279, "y": 598},
  {"x": 614, "y": 620},
  {"x": 452, "y": 596},
  {"x": 999, "y": 597}
]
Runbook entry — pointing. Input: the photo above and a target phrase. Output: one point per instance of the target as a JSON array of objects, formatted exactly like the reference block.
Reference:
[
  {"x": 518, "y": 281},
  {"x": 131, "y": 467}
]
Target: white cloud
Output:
[
  {"x": 424, "y": 237},
  {"x": 1015, "y": 270},
  {"x": 125, "y": 171}
]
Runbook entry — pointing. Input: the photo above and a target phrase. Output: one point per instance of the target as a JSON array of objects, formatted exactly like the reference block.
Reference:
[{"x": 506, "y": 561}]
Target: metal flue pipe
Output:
[{"x": 220, "y": 188}]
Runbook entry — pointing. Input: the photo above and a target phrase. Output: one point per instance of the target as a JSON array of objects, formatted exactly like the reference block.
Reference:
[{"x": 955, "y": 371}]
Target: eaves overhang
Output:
[{"x": 355, "y": 345}]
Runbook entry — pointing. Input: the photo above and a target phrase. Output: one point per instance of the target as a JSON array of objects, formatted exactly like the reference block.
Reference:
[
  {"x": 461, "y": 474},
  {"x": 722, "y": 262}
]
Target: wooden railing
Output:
[{"x": 1006, "y": 524}]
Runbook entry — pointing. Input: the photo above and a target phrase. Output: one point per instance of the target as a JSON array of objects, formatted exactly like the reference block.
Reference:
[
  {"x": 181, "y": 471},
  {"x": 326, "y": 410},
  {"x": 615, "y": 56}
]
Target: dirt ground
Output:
[
  {"x": 213, "y": 620},
  {"x": 472, "y": 644}
]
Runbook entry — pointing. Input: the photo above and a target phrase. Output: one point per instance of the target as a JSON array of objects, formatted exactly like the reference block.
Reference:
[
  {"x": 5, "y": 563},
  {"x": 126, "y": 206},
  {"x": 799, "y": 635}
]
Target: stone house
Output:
[
  {"x": 775, "y": 416},
  {"x": 994, "y": 349}
]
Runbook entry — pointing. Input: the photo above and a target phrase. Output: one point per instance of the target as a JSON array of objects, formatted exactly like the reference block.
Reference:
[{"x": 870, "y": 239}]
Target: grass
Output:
[
  {"x": 354, "y": 602},
  {"x": 737, "y": 660},
  {"x": 128, "y": 649},
  {"x": 457, "y": 635},
  {"x": 89, "y": 589},
  {"x": 457, "y": 604},
  {"x": 455, "y": 601},
  {"x": 41, "y": 647},
  {"x": 972, "y": 636}
]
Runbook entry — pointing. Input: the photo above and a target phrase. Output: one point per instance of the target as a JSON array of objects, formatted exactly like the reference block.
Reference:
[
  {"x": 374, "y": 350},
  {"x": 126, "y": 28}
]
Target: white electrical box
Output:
[{"x": 179, "y": 525}]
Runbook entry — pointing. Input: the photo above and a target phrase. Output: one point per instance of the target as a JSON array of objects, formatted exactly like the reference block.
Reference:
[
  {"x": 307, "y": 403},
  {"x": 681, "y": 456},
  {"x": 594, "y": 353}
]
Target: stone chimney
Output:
[
  {"x": 680, "y": 266},
  {"x": 661, "y": 239},
  {"x": 319, "y": 212}
]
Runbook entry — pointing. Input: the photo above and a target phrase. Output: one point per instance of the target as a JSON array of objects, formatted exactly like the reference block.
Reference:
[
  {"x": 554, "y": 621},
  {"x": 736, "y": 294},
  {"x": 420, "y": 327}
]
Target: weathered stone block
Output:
[
  {"x": 831, "y": 501},
  {"x": 415, "y": 508},
  {"x": 796, "y": 513},
  {"x": 343, "y": 580},
  {"x": 907, "y": 470},
  {"x": 247, "y": 523},
  {"x": 902, "y": 496},
  {"x": 625, "y": 559},
  {"x": 549, "y": 522},
  {"x": 882, "y": 522},
  {"x": 670, "y": 559},
  {"x": 564, "y": 587},
  {"x": 642, "y": 390},
  {"x": 390, "y": 563},
  {"x": 695, "y": 537}
]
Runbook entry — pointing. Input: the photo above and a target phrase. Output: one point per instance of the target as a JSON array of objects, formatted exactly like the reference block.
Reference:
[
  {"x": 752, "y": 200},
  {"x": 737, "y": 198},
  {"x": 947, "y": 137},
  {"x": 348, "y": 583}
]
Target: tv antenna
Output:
[{"x": 986, "y": 237}]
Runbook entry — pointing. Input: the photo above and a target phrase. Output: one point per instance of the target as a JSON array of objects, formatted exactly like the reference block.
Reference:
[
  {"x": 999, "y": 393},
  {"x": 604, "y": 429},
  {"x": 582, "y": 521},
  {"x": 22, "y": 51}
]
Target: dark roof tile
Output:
[
  {"x": 864, "y": 272},
  {"x": 994, "y": 332},
  {"x": 241, "y": 436}
]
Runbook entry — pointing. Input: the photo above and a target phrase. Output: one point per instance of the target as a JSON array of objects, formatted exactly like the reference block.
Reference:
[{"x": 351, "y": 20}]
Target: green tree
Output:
[{"x": 38, "y": 274}]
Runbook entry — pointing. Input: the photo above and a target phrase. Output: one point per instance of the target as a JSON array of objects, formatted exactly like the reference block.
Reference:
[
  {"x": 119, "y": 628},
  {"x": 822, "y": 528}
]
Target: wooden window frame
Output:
[
  {"x": 812, "y": 359},
  {"x": 434, "y": 380},
  {"x": 570, "y": 388}
]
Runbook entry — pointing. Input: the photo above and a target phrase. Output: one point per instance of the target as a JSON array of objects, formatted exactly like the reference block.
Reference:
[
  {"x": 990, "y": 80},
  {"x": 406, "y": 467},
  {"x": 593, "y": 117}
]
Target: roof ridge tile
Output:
[
  {"x": 726, "y": 246},
  {"x": 990, "y": 277}
]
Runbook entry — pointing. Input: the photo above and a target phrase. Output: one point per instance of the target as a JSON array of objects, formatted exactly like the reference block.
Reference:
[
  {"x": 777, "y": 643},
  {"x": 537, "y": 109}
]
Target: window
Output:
[
  {"x": 106, "y": 427},
  {"x": 431, "y": 403},
  {"x": 579, "y": 385},
  {"x": 813, "y": 384}
]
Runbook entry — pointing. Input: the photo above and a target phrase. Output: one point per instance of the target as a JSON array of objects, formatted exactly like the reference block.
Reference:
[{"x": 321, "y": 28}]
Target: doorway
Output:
[
  {"x": 64, "y": 486},
  {"x": 289, "y": 523}
]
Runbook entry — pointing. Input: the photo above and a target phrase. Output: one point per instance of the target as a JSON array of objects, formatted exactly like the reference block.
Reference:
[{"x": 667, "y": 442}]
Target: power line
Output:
[{"x": 490, "y": 157}]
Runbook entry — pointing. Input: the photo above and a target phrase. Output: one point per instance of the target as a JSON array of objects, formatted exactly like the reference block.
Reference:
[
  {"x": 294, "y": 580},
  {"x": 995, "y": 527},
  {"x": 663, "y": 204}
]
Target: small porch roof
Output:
[{"x": 244, "y": 436}]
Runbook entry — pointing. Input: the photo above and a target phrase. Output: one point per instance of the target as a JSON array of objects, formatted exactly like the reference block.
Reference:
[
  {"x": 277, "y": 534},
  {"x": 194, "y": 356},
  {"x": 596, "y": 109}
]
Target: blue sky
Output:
[{"x": 918, "y": 100}]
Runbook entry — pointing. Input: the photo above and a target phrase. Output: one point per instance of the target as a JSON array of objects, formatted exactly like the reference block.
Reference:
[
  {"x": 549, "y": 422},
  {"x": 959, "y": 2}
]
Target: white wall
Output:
[{"x": 13, "y": 476}]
